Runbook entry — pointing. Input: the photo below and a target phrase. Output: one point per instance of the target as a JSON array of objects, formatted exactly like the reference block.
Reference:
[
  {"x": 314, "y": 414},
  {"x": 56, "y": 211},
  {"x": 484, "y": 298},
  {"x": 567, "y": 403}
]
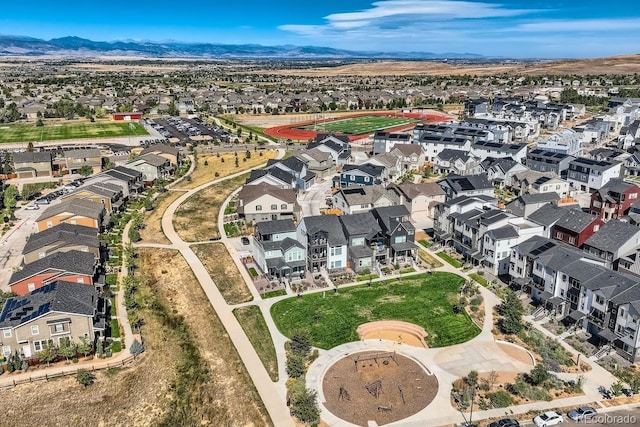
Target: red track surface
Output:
[{"x": 290, "y": 131}]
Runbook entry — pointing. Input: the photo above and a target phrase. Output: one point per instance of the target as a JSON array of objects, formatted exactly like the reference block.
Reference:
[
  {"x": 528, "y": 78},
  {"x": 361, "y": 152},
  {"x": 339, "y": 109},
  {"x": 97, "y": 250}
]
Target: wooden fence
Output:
[{"x": 63, "y": 373}]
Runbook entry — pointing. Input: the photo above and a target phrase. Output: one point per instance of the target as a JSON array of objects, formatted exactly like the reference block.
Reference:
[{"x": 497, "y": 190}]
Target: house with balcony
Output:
[
  {"x": 168, "y": 152},
  {"x": 567, "y": 141},
  {"x": 304, "y": 178},
  {"x": 398, "y": 232},
  {"x": 130, "y": 180},
  {"x": 547, "y": 216},
  {"x": 541, "y": 160},
  {"x": 614, "y": 240},
  {"x": 614, "y": 199},
  {"x": 383, "y": 142},
  {"x": 63, "y": 238},
  {"x": 152, "y": 167},
  {"x": 473, "y": 185},
  {"x": 497, "y": 243},
  {"x": 591, "y": 175},
  {"x": 264, "y": 202},
  {"x": 338, "y": 146},
  {"x": 445, "y": 214},
  {"x": 550, "y": 185},
  {"x": 435, "y": 144},
  {"x": 411, "y": 157},
  {"x": 56, "y": 312},
  {"x": 457, "y": 162},
  {"x": 391, "y": 164},
  {"x": 319, "y": 162},
  {"x": 575, "y": 227},
  {"x": 366, "y": 242},
  {"x": 352, "y": 200},
  {"x": 277, "y": 251},
  {"x": 325, "y": 243},
  {"x": 527, "y": 204},
  {"x": 500, "y": 171},
  {"x": 363, "y": 175},
  {"x": 72, "y": 266},
  {"x": 420, "y": 199}
]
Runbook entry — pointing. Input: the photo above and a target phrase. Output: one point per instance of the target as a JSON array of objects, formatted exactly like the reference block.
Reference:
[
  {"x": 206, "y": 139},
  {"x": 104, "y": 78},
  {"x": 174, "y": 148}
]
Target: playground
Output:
[{"x": 377, "y": 385}]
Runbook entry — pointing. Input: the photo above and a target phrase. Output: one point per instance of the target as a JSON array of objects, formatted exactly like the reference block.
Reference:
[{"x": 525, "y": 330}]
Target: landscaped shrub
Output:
[
  {"x": 295, "y": 365},
  {"x": 85, "y": 377},
  {"x": 500, "y": 399},
  {"x": 554, "y": 356}
]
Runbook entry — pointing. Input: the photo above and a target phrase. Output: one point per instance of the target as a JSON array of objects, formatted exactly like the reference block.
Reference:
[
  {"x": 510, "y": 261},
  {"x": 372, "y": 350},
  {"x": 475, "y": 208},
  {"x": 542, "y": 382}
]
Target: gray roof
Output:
[
  {"x": 82, "y": 153},
  {"x": 329, "y": 224},
  {"x": 32, "y": 157},
  {"x": 153, "y": 159},
  {"x": 68, "y": 233},
  {"x": 539, "y": 197},
  {"x": 359, "y": 195},
  {"x": 280, "y": 174},
  {"x": 360, "y": 224},
  {"x": 59, "y": 296},
  {"x": 386, "y": 213},
  {"x": 71, "y": 261},
  {"x": 161, "y": 148},
  {"x": 575, "y": 220},
  {"x": 360, "y": 251},
  {"x": 452, "y": 155},
  {"x": 82, "y": 207},
  {"x": 467, "y": 183},
  {"x": 547, "y": 215},
  {"x": 277, "y": 226},
  {"x": 505, "y": 232},
  {"x": 612, "y": 236}
]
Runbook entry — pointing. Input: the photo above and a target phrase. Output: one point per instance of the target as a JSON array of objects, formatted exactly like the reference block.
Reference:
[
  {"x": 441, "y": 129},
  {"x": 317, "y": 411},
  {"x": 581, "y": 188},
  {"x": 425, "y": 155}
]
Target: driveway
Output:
[{"x": 12, "y": 243}]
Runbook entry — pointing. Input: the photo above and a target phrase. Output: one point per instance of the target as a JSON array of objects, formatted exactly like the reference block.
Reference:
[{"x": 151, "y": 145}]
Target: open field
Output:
[
  {"x": 217, "y": 390},
  {"x": 359, "y": 125},
  {"x": 223, "y": 271},
  {"x": 27, "y": 133},
  {"x": 255, "y": 327},
  {"x": 152, "y": 231},
  {"x": 225, "y": 166},
  {"x": 425, "y": 300},
  {"x": 196, "y": 219}
]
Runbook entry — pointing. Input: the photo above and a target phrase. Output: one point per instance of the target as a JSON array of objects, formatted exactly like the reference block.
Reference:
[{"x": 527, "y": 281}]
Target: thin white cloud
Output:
[{"x": 590, "y": 25}]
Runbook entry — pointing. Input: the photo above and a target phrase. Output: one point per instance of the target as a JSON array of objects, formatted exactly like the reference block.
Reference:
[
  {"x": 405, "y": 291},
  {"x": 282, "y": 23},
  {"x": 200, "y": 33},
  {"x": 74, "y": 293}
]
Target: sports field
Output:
[
  {"x": 359, "y": 125},
  {"x": 31, "y": 133}
]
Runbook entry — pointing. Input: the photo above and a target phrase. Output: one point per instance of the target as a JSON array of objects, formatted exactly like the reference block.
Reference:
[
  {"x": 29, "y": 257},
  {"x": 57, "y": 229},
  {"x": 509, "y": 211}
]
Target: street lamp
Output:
[{"x": 473, "y": 396}]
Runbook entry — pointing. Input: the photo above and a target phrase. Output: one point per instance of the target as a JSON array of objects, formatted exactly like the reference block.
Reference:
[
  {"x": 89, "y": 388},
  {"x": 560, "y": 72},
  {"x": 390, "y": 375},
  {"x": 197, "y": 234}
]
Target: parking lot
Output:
[{"x": 182, "y": 130}]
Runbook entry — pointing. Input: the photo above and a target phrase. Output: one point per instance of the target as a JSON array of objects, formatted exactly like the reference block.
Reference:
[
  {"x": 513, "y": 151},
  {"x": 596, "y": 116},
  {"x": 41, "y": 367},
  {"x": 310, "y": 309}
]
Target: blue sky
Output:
[{"x": 564, "y": 28}]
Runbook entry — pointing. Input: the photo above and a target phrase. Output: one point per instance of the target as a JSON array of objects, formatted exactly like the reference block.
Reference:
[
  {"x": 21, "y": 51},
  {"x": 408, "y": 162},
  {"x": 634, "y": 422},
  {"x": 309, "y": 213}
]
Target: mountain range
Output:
[{"x": 79, "y": 47}]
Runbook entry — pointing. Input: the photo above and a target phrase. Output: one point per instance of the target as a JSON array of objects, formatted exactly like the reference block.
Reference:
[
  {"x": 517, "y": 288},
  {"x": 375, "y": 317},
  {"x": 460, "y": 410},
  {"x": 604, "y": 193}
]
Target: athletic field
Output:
[
  {"x": 359, "y": 125},
  {"x": 31, "y": 133}
]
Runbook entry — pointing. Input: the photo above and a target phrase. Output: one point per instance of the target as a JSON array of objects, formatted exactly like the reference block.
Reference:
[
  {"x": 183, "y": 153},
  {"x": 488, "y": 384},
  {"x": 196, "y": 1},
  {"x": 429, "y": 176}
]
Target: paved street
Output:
[{"x": 12, "y": 243}]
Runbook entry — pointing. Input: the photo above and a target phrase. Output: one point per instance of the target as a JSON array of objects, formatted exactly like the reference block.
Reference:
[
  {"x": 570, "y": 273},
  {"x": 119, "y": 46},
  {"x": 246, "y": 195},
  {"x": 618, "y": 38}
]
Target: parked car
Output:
[
  {"x": 582, "y": 413},
  {"x": 32, "y": 207},
  {"x": 244, "y": 240},
  {"x": 547, "y": 419},
  {"x": 505, "y": 422}
]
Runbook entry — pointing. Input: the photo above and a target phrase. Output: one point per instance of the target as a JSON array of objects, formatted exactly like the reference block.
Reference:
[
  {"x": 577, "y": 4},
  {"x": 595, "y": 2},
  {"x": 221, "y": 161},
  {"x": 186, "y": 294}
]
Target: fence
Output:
[{"x": 47, "y": 377}]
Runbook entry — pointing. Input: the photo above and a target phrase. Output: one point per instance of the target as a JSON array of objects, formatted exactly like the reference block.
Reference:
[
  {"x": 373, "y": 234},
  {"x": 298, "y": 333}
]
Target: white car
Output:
[
  {"x": 550, "y": 418},
  {"x": 32, "y": 207}
]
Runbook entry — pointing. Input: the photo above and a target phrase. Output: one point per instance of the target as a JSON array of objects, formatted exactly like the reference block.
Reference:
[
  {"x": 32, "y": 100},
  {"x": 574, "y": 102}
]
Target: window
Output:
[
  {"x": 6, "y": 333},
  {"x": 366, "y": 179},
  {"x": 352, "y": 177},
  {"x": 621, "y": 312},
  {"x": 358, "y": 241},
  {"x": 35, "y": 330},
  {"x": 337, "y": 251},
  {"x": 596, "y": 227},
  {"x": 39, "y": 345},
  {"x": 258, "y": 207},
  {"x": 49, "y": 224},
  {"x": 599, "y": 299},
  {"x": 633, "y": 196},
  {"x": 336, "y": 264},
  {"x": 558, "y": 187},
  {"x": 80, "y": 280},
  {"x": 400, "y": 239},
  {"x": 6, "y": 350},
  {"x": 283, "y": 206},
  {"x": 572, "y": 240},
  {"x": 596, "y": 204},
  {"x": 42, "y": 255},
  {"x": 274, "y": 207},
  {"x": 58, "y": 327},
  {"x": 559, "y": 235},
  {"x": 564, "y": 277},
  {"x": 31, "y": 287}
]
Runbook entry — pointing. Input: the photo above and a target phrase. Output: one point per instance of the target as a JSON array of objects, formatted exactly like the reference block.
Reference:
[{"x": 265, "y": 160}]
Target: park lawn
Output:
[
  {"x": 454, "y": 262},
  {"x": 332, "y": 318},
  {"x": 478, "y": 278},
  {"x": 359, "y": 125},
  {"x": 273, "y": 294},
  {"x": 254, "y": 325},
  {"x": 203, "y": 174},
  {"x": 27, "y": 133},
  {"x": 429, "y": 260}
]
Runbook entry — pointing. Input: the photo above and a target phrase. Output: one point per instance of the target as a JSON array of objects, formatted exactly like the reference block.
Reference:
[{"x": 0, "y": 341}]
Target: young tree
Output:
[
  {"x": 304, "y": 406},
  {"x": 85, "y": 377},
  {"x": 48, "y": 353},
  {"x": 136, "y": 348},
  {"x": 510, "y": 311},
  {"x": 67, "y": 349},
  {"x": 85, "y": 170},
  {"x": 295, "y": 365},
  {"x": 84, "y": 346},
  {"x": 237, "y": 163},
  {"x": 300, "y": 343},
  {"x": 539, "y": 374},
  {"x": 10, "y": 196}
]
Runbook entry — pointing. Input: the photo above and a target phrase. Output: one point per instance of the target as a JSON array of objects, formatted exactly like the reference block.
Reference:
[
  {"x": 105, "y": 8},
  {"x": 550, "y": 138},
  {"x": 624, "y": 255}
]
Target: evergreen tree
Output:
[
  {"x": 304, "y": 406},
  {"x": 510, "y": 311}
]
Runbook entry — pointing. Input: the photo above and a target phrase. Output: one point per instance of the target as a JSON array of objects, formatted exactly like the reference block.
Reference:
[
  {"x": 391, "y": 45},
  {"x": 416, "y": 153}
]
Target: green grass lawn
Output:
[
  {"x": 254, "y": 325},
  {"x": 27, "y": 133},
  {"x": 478, "y": 278},
  {"x": 454, "y": 262},
  {"x": 115, "y": 328},
  {"x": 253, "y": 272},
  {"x": 332, "y": 318},
  {"x": 359, "y": 125},
  {"x": 274, "y": 294}
]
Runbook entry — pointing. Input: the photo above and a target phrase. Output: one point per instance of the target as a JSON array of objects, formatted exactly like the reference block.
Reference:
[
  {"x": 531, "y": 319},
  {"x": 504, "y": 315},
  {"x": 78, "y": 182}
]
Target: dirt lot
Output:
[
  {"x": 405, "y": 388},
  {"x": 227, "y": 397},
  {"x": 196, "y": 220},
  {"x": 216, "y": 259},
  {"x": 205, "y": 173},
  {"x": 152, "y": 231}
]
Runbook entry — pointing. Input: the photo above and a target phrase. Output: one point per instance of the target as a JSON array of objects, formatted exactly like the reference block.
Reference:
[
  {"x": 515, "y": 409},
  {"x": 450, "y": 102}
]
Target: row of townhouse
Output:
[
  {"x": 581, "y": 288},
  {"x": 332, "y": 243}
]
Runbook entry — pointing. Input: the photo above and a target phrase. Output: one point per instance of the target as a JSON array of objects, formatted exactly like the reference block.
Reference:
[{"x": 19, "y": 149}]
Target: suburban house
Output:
[
  {"x": 614, "y": 240},
  {"x": 72, "y": 266},
  {"x": 33, "y": 164},
  {"x": 497, "y": 243},
  {"x": 435, "y": 144},
  {"x": 398, "y": 232},
  {"x": 446, "y": 213},
  {"x": 590, "y": 175},
  {"x": 365, "y": 241},
  {"x": 567, "y": 141},
  {"x": 264, "y": 202},
  {"x": 76, "y": 212},
  {"x": 527, "y": 204},
  {"x": 473, "y": 185},
  {"x": 325, "y": 243},
  {"x": 632, "y": 165},
  {"x": 540, "y": 160},
  {"x": 73, "y": 160},
  {"x": 352, "y": 200},
  {"x": 277, "y": 250},
  {"x": 412, "y": 157},
  {"x": 614, "y": 199},
  {"x": 296, "y": 167},
  {"x": 152, "y": 167},
  {"x": 391, "y": 164},
  {"x": 56, "y": 312},
  {"x": 550, "y": 184},
  {"x": 420, "y": 199},
  {"x": 319, "y": 162},
  {"x": 500, "y": 171},
  {"x": 547, "y": 216},
  {"x": 457, "y": 162},
  {"x": 163, "y": 150},
  {"x": 383, "y": 142},
  {"x": 575, "y": 227},
  {"x": 366, "y": 174},
  {"x": 130, "y": 180},
  {"x": 62, "y": 238},
  {"x": 110, "y": 195},
  {"x": 337, "y": 146},
  {"x": 275, "y": 176},
  {"x": 484, "y": 149}
]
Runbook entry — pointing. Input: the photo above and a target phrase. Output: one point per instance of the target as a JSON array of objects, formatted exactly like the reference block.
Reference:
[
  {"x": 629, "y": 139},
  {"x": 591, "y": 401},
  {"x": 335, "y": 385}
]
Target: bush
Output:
[
  {"x": 538, "y": 374},
  {"x": 74, "y": 360},
  {"x": 300, "y": 343},
  {"x": 500, "y": 399},
  {"x": 304, "y": 406},
  {"x": 295, "y": 365},
  {"x": 85, "y": 377}
]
